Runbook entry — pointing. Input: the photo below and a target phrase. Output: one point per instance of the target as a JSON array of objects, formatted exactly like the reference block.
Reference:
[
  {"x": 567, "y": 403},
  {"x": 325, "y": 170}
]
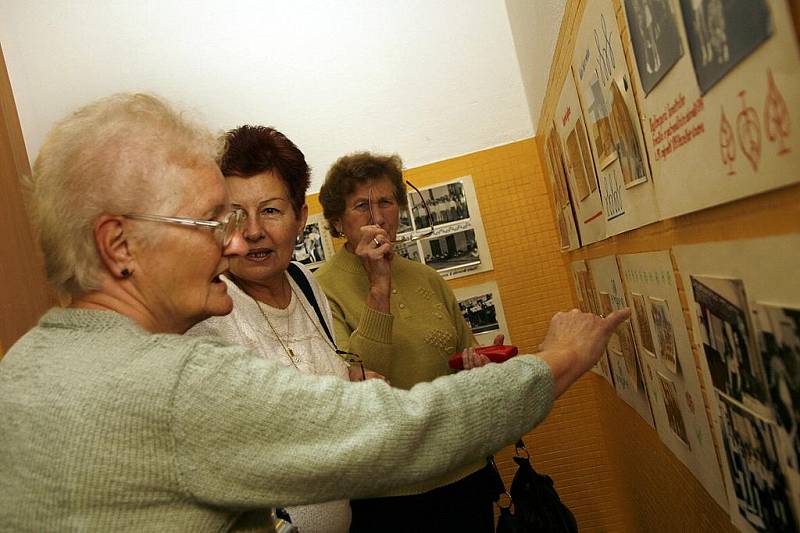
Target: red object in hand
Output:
[{"x": 496, "y": 354}]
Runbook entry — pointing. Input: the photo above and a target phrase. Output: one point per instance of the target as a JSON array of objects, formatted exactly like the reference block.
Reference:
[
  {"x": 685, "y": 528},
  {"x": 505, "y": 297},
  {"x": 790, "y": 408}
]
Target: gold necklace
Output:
[
  {"x": 348, "y": 357},
  {"x": 289, "y": 352}
]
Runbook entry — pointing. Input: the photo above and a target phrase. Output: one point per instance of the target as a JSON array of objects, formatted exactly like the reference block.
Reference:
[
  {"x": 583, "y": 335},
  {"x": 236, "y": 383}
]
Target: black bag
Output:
[{"x": 535, "y": 506}]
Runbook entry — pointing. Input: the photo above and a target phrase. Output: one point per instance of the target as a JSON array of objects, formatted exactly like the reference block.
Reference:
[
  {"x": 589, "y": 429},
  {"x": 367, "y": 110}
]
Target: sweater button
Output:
[
  {"x": 394, "y": 291},
  {"x": 402, "y": 306}
]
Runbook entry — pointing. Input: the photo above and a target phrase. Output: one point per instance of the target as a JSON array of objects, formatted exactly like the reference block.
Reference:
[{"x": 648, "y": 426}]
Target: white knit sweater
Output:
[{"x": 300, "y": 331}]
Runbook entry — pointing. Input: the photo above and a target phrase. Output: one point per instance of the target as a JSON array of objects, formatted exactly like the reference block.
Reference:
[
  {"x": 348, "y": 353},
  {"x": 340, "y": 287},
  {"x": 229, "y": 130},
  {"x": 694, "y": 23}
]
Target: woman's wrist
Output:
[
  {"x": 378, "y": 298},
  {"x": 565, "y": 367}
]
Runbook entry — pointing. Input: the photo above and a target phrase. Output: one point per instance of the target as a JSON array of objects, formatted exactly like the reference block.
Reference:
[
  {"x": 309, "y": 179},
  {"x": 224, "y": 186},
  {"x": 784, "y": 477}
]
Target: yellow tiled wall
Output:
[
  {"x": 529, "y": 271},
  {"x": 661, "y": 494}
]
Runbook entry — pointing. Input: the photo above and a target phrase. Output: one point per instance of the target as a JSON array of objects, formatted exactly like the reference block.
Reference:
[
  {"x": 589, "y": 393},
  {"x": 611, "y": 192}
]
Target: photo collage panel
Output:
[{"x": 441, "y": 228}]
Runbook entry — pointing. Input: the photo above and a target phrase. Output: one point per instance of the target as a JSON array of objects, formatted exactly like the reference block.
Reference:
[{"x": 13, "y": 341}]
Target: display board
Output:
[
  {"x": 718, "y": 124},
  {"x": 580, "y": 169},
  {"x": 626, "y": 367},
  {"x": 612, "y": 121},
  {"x": 710, "y": 120},
  {"x": 744, "y": 300},
  {"x": 457, "y": 246},
  {"x": 666, "y": 354}
]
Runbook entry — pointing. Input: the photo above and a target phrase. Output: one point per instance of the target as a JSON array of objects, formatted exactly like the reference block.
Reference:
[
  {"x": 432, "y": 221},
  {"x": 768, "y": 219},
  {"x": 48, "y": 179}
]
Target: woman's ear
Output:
[
  {"x": 113, "y": 247},
  {"x": 302, "y": 218}
]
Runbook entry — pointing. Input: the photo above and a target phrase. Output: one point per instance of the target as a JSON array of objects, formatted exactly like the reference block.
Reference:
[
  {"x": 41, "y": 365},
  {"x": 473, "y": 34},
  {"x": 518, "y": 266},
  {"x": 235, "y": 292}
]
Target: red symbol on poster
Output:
[
  {"x": 727, "y": 144},
  {"x": 749, "y": 132},
  {"x": 776, "y": 115}
]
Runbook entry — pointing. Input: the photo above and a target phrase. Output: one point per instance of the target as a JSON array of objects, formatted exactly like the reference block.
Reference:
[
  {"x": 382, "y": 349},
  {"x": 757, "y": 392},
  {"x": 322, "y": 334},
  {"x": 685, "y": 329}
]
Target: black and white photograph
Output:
[
  {"x": 451, "y": 251},
  {"x": 755, "y": 462},
  {"x": 452, "y": 239},
  {"x": 667, "y": 349},
  {"x": 673, "y": 408},
  {"x": 409, "y": 250},
  {"x": 722, "y": 312},
  {"x": 779, "y": 341},
  {"x": 480, "y": 313},
  {"x": 656, "y": 41},
  {"x": 405, "y": 220},
  {"x": 446, "y": 203},
  {"x": 482, "y": 307},
  {"x": 722, "y": 33},
  {"x": 309, "y": 250},
  {"x": 643, "y": 321}
]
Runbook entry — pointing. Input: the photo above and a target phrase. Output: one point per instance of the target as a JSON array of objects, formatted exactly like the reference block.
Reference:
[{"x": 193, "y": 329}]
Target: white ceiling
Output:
[{"x": 428, "y": 79}]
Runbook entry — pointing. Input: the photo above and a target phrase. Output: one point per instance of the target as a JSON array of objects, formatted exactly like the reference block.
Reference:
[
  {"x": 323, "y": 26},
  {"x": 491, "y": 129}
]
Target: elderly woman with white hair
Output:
[{"x": 112, "y": 420}]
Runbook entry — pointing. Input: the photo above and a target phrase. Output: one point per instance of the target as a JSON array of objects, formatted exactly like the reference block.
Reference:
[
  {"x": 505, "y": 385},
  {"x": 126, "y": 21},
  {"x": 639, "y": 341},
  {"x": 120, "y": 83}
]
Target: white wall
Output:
[
  {"x": 535, "y": 25},
  {"x": 428, "y": 79}
]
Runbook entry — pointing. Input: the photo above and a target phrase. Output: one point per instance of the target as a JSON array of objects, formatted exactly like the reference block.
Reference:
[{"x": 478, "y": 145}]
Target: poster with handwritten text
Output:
[
  {"x": 612, "y": 121},
  {"x": 741, "y": 137}
]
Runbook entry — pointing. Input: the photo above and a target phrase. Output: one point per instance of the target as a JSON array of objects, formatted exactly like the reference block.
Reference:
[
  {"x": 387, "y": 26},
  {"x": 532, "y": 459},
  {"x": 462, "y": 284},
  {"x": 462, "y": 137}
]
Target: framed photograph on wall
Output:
[
  {"x": 316, "y": 245},
  {"x": 457, "y": 246},
  {"x": 726, "y": 336},
  {"x": 756, "y": 462},
  {"x": 482, "y": 308},
  {"x": 778, "y": 333}
]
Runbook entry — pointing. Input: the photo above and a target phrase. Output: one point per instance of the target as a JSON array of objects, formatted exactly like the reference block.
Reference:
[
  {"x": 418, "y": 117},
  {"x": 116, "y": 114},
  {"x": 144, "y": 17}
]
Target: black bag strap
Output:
[{"x": 302, "y": 281}]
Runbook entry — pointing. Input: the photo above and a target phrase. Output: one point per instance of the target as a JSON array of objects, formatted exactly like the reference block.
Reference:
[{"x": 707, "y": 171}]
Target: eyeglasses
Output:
[
  {"x": 224, "y": 229},
  {"x": 352, "y": 359},
  {"x": 417, "y": 235}
]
